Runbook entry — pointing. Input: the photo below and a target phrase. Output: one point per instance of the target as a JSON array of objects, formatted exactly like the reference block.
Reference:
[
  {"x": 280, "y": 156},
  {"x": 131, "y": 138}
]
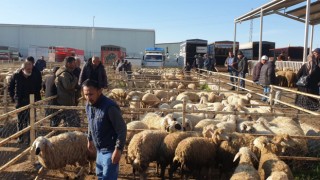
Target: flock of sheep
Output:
[{"x": 209, "y": 141}]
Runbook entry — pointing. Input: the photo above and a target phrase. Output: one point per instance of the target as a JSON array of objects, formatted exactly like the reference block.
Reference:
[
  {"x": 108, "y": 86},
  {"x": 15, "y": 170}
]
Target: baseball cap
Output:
[{"x": 264, "y": 57}]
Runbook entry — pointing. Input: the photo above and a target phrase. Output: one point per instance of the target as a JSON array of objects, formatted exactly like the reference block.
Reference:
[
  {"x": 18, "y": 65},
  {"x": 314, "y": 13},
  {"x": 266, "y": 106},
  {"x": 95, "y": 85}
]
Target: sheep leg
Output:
[
  {"x": 79, "y": 173},
  {"x": 65, "y": 175},
  {"x": 40, "y": 172},
  {"x": 162, "y": 171}
]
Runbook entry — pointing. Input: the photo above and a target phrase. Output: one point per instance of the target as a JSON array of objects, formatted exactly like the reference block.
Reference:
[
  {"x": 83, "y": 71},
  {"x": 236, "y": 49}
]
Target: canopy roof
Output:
[{"x": 280, "y": 6}]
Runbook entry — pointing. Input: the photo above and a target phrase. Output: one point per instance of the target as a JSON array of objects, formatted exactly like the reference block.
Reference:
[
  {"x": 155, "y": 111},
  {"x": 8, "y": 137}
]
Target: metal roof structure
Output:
[{"x": 308, "y": 14}]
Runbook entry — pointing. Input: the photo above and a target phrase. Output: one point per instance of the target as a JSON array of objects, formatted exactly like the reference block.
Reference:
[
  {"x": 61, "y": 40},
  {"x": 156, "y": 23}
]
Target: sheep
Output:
[
  {"x": 150, "y": 100},
  {"x": 119, "y": 94},
  {"x": 134, "y": 93},
  {"x": 54, "y": 154},
  {"x": 198, "y": 153},
  {"x": 153, "y": 121},
  {"x": 143, "y": 149},
  {"x": 205, "y": 122},
  {"x": 228, "y": 149},
  {"x": 240, "y": 100},
  {"x": 132, "y": 127},
  {"x": 254, "y": 127},
  {"x": 245, "y": 169},
  {"x": 269, "y": 162},
  {"x": 191, "y": 95},
  {"x": 213, "y": 97},
  {"x": 291, "y": 78},
  {"x": 167, "y": 149}
]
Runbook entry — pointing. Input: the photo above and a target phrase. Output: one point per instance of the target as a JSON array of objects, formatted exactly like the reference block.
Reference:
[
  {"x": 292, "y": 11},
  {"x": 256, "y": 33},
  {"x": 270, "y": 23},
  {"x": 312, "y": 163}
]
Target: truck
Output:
[
  {"x": 153, "y": 57},
  {"x": 192, "y": 47},
  {"x": 222, "y": 49},
  {"x": 294, "y": 52},
  {"x": 58, "y": 53},
  {"x": 10, "y": 53},
  {"x": 111, "y": 53}
]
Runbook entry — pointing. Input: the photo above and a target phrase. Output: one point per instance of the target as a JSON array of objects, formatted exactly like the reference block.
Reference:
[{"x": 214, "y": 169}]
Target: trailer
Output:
[
  {"x": 58, "y": 53},
  {"x": 222, "y": 49},
  {"x": 192, "y": 47},
  {"x": 111, "y": 53},
  {"x": 295, "y": 53},
  {"x": 251, "y": 50}
]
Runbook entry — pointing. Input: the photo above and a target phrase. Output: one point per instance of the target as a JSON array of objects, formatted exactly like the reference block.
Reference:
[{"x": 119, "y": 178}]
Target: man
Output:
[
  {"x": 267, "y": 76},
  {"x": 232, "y": 64},
  {"x": 22, "y": 84},
  {"x": 242, "y": 68},
  {"x": 94, "y": 70},
  {"x": 66, "y": 83},
  {"x": 257, "y": 69},
  {"x": 76, "y": 72},
  {"x": 207, "y": 62},
  {"x": 38, "y": 77},
  {"x": 107, "y": 130},
  {"x": 40, "y": 64}
]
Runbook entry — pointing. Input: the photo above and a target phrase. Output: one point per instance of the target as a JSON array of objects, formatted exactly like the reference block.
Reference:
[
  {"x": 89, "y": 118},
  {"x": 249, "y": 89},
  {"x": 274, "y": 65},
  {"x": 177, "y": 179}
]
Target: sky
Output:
[{"x": 172, "y": 20}]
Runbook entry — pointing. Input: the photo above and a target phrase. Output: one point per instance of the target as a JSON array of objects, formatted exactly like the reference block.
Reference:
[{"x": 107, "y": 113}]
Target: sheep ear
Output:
[
  {"x": 236, "y": 156},
  {"x": 254, "y": 156}
]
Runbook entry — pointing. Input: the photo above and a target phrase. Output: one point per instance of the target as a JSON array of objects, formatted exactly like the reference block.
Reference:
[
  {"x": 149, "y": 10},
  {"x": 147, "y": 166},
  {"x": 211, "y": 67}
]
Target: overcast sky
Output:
[{"x": 173, "y": 20}]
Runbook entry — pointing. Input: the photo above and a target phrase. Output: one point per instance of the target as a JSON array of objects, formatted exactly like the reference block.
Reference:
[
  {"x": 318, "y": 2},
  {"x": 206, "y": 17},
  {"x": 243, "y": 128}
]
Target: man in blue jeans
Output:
[
  {"x": 232, "y": 64},
  {"x": 267, "y": 76},
  {"x": 107, "y": 130}
]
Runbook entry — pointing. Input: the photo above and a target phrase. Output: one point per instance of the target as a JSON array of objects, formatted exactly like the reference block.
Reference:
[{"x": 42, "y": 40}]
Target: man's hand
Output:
[
  {"x": 91, "y": 147},
  {"x": 116, "y": 155}
]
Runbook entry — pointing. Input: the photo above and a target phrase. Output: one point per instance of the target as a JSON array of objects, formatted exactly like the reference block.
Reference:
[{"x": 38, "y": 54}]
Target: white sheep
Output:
[
  {"x": 240, "y": 100},
  {"x": 54, "y": 154},
  {"x": 269, "y": 162},
  {"x": 143, "y": 149},
  {"x": 245, "y": 169},
  {"x": 120, "y": 95}
]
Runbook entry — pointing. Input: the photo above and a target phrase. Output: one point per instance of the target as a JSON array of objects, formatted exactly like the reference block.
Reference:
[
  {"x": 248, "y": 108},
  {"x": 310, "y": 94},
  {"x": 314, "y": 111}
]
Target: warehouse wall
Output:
[{"x": 22, "y": 36}]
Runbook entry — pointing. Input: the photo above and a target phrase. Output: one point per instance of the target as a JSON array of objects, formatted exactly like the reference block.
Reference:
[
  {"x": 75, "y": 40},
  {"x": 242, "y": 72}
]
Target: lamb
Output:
[
  {"x": 187, "y": 154},
  {"x": 245, "y": 169},
  {"x": 269, "y": 162},
  {"x": 143, "y": 149},
  {"x": 167, "y": 149},
  {"x": 54, "y": 154},
  {"x": 192, "y": 96}
]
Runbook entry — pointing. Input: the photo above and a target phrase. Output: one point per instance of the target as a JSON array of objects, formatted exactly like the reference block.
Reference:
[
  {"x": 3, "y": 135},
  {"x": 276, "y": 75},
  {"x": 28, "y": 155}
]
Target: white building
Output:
[
  {"x": 23, "y": 36},
  {"x": 173, "y": 50}
]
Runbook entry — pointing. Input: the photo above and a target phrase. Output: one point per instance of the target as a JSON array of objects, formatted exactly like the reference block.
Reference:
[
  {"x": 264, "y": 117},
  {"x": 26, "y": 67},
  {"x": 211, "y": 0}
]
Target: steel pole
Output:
[{"x": 306, "y": 33}]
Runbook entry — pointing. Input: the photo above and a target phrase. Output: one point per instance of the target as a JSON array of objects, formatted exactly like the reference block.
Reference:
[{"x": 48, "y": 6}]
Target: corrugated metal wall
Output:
[{"x": 22, "y": 36}]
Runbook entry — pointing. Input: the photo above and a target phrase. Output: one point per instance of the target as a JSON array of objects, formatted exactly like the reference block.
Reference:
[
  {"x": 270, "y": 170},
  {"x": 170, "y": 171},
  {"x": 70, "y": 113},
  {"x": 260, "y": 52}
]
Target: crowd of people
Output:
[{"x": 106, "y": 129}]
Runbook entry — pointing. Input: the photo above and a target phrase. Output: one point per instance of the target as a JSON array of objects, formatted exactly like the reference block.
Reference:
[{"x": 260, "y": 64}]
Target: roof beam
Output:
[{"x": 289, "y": 16}]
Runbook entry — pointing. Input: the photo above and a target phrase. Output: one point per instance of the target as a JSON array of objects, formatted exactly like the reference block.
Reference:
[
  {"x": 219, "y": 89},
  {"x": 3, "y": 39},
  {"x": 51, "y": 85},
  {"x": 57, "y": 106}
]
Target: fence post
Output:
[
  {"x": 5, "y": 94},
  {"x": 219, "y": 83},
  {"x": 271, "y": 96},
  {"x": 184, "y": 112},
  {"x": 32, "y": 121}
]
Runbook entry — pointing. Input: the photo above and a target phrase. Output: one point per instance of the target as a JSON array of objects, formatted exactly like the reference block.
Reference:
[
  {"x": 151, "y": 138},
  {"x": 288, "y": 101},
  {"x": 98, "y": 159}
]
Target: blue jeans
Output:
[
  {"x": 232, "y": 73},
  {"x": 266, "y": 91},
  {"x": 105, "y": 170},
  {"x": 242, "y": 82}
]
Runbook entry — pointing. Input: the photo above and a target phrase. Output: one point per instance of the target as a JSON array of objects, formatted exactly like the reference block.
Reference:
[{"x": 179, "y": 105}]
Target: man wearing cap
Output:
[
  {"x": 242, "y": 68},
  {"x": 267, "y": 76},
  {"x": 257, "y": 69},
  {"x": 232, "y": 64}
]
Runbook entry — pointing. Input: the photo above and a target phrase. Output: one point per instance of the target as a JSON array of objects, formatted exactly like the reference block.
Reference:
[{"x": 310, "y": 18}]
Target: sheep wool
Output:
[{"x": 54, "y": 154}]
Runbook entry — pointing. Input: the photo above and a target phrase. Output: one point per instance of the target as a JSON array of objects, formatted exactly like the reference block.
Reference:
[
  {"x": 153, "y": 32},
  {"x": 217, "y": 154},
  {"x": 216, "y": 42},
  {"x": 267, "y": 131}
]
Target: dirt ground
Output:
[{"x": 24, "y": 169}]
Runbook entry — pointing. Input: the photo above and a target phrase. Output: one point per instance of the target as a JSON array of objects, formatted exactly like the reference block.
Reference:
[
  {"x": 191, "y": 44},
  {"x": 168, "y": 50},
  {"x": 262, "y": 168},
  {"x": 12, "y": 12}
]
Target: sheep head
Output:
[
  {"x": 40, "y": 144},
  {"x": 218, "y": 135},
  {"x": 283, "y": 142},
  {"x": 245, "y": 151}
]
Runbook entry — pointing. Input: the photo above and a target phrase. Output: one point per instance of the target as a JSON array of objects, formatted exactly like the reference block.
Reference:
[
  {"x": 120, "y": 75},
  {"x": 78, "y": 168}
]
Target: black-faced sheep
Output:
[
  {"x": 245, "y": 169},
  {"x": 64, "y": 149}
]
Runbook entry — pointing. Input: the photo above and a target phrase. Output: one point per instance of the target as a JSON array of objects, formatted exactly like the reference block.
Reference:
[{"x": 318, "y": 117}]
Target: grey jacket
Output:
[
  {"x": 268, "y": 74},
  {"x": 66, "y": 83}
]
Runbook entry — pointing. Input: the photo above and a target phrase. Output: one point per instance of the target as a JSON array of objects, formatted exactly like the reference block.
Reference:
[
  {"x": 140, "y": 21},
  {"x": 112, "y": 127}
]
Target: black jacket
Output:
[
  {"x": 243, "y": 65},
  {"x": 256, "y": 72},
  {"x": 98, "y": 74},
  {"x": 21, "y": 87}
]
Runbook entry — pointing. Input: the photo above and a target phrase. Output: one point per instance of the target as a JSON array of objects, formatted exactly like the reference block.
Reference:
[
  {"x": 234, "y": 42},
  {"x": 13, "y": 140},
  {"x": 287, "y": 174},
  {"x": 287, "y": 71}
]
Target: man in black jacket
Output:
[
  {"x": 22, "y": 84},
  {"x": 242, "y": 68}
]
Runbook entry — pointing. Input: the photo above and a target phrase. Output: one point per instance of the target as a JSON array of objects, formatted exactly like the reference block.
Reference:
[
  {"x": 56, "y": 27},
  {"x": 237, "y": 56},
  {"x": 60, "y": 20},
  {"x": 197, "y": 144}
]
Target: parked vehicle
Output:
[
  {"x": 10, "y": 53},
  {"x": 192, "y": 47},
  {"x": 153, "y": 57},
  {"x": 251, "y": 50},
  {"x": 222, "y": 49},
  {"x": 110, "y": 53}
]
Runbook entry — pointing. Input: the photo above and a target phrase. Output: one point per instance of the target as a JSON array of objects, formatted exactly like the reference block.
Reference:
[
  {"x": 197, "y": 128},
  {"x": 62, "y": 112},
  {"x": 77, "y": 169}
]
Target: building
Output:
[
  {"x": 172, "y": 51},
  {"x": 87, "y": 38}
]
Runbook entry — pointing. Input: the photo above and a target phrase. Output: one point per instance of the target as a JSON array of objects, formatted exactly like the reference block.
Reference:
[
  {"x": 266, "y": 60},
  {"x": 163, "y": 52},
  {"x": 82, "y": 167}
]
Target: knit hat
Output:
[{"x": 317, "y": 50}]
